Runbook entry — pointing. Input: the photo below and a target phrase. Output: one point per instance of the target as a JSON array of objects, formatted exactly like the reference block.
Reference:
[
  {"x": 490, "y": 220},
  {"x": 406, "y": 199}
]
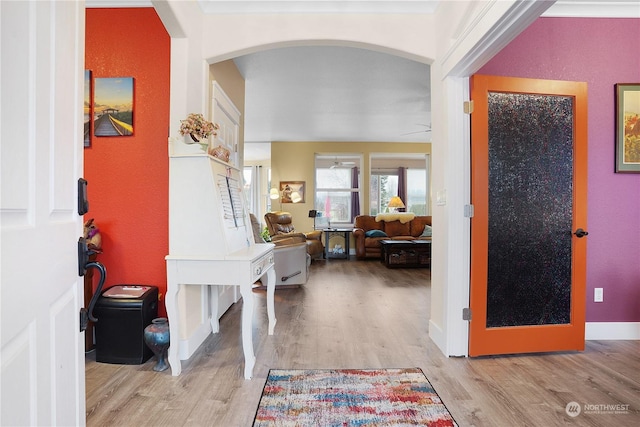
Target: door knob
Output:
[
  {"x": 581, "y": 233},
  {"x": 86, "y": 314}
]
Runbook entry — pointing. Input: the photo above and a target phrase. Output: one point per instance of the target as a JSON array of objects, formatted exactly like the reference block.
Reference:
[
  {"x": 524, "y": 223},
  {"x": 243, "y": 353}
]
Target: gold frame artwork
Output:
[
  {"x": 628, "y": 128},
  {"x": 292, "y": 191}
]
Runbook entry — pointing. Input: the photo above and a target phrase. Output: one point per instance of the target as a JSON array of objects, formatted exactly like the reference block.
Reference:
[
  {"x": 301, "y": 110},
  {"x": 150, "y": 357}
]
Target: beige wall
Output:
[
  {"x": 294, "y": 161},
  {"x": 230, "y": 80}
]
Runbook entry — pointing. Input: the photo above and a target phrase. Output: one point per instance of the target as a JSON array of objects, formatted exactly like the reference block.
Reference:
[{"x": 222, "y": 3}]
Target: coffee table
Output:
[{"x": 406, "y": 253}]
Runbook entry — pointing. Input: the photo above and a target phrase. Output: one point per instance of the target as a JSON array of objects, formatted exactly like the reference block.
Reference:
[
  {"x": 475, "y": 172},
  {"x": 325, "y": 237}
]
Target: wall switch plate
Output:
[{"x": 598, "y": 295}]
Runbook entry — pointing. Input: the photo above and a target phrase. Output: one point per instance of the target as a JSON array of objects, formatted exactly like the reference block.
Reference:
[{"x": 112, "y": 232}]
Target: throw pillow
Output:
[
  {"x": 375, "y": 233},
  {"x": 427, "y": 231}
]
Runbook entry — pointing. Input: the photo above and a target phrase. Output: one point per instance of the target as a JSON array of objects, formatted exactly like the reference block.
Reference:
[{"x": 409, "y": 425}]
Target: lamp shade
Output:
[
  {"x": 295, "y": 197},
  {"x": 274, "y": 194},
  {"x": 396, "y": 202}
]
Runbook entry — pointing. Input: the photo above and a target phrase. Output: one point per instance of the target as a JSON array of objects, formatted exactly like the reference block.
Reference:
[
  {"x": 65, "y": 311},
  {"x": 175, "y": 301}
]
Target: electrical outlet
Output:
[{"x": 598, "y": 295}]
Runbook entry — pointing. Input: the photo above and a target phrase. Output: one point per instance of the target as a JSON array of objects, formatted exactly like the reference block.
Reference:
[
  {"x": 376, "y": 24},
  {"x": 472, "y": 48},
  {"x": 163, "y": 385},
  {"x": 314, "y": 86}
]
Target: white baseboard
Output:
[
  {"x": 437, "y": 336},
  {"x": 190, "y": 345},
  {"x": 612, "y": 331},
  {"x": 593, "y": 331},
  {"x": 227, "y": 297}
]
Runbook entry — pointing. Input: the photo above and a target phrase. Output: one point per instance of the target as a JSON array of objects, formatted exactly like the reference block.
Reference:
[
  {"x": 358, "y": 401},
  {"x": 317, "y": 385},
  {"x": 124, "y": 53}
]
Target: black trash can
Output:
[{"x": 123, "y": 311}]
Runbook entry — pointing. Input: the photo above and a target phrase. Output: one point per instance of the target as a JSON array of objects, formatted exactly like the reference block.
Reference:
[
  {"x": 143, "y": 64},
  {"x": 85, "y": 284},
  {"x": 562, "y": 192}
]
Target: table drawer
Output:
[{"x": 261, "y": 265}]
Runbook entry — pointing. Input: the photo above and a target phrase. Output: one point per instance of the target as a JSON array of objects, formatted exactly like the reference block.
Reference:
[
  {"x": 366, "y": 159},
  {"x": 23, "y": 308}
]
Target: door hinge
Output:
[
  {"x": 468, "y": 211},
  {"x": 466, "y": 313},
  {"x": 468, "y": 107}
]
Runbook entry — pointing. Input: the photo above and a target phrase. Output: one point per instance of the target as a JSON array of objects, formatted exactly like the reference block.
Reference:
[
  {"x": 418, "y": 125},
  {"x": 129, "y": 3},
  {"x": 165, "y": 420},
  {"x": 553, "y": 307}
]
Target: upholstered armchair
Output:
[
  {"x": 290, "y": 258},
  {"x": 280, "y": 226}
]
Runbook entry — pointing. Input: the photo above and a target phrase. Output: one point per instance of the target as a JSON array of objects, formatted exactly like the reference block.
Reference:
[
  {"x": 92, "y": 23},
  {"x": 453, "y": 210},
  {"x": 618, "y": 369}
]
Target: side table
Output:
[{"x": 337, "y": 250}]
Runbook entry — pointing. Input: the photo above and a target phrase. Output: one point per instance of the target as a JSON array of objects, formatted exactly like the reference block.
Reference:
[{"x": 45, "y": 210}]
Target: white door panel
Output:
[{"x": 41, "y": 130}]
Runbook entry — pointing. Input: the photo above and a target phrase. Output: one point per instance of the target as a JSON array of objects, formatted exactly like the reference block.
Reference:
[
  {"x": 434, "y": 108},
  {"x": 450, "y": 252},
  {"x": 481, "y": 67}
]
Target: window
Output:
[
  {"x": 247, "y": 173},
  {"x": 337, "y": 189},
  {"x": 383, "y": 187},
  {"x": 385, "y": 177},
  {"x": 256, "y": 190}
]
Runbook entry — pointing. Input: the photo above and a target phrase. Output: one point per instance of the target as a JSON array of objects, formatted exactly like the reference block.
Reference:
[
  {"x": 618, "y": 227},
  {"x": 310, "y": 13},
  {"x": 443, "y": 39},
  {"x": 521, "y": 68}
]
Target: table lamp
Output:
[
  {"x": 395, "y": 203},
  {"x": 313, "y": 213}
]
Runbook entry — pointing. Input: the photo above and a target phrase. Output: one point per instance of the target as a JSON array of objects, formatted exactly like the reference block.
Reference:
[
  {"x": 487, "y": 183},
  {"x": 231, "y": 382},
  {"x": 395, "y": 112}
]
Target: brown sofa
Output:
[{"x": 369, "y": 246}]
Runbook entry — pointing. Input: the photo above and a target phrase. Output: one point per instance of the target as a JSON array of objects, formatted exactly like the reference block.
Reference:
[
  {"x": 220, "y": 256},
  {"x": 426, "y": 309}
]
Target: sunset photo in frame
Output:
[
  {"x": 628, "y": 128},
  {"x": 292, "y": 191},
  {"x": 87, "y": 108},
  {"x": 113, "y": 106}
]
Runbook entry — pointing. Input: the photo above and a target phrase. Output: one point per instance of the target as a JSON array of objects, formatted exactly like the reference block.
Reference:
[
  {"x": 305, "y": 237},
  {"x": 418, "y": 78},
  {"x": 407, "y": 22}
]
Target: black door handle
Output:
[
  {"x": 84, "y": 253},
  {"x": 581, "y": 233}
]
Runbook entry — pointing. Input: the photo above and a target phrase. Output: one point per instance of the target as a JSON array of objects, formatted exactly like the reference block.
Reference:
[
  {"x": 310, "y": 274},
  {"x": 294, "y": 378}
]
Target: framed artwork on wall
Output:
[
  {"x": 292, "y": 191},
  {"x": 87, "y": 108},
  {"x": 113, "y": 106},
  {"x": 628, "y": 128}
]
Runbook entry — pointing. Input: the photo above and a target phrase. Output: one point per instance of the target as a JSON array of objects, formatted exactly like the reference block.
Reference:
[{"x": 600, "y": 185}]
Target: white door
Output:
[{"x": 41, "y": 130}]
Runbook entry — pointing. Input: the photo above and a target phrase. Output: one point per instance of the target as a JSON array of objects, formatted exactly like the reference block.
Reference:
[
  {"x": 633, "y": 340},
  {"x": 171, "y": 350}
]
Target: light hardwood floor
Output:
[{"x": 358, "y": 314}]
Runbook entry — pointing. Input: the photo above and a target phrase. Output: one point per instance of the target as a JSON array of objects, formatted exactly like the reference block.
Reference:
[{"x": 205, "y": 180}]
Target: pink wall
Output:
[{"x": 601, "y": 52}]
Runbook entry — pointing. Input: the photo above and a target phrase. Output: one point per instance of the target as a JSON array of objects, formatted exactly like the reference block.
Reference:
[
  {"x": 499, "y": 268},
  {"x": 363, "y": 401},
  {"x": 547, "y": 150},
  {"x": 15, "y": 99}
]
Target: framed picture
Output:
[
  {"x": 113, "y": 106},
  {"x": 87, "y": 108},
  {"x": 292, "y": 191},
  {"x": 628, "y": 127}
]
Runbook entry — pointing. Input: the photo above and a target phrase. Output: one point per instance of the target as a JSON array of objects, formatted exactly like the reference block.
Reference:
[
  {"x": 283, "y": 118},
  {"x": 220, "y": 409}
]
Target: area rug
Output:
[{"x": 350, "y": 397}]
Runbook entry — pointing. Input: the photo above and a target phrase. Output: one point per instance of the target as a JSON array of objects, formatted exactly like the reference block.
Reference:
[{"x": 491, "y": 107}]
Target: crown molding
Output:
[
  {"x": 240, "y": 7},
  {"x": 594, "y": 9},
  {"x": 561, "y": 8},
  {"x": 91, "y": 4},
  {"x": 318, "y": 6}
]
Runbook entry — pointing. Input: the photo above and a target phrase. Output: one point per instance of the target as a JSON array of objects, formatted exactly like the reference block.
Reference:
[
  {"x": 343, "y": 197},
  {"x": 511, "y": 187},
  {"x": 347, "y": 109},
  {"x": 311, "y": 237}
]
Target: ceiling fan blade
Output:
[
  {"x": 418, "y": 131},
  {"x": 428, "y": 129}
]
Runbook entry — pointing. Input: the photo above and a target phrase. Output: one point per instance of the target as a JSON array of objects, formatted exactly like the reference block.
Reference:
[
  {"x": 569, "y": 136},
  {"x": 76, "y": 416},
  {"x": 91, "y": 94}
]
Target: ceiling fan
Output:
[
  {"x": 338, "y": 164},
  {"x": 427, "y": 128}
]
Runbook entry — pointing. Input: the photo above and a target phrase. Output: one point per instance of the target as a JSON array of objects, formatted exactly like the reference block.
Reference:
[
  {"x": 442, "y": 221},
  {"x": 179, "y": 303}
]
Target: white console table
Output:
[
  {"x": 211, "y": 244},
  {"x": 240, "y": 268}
]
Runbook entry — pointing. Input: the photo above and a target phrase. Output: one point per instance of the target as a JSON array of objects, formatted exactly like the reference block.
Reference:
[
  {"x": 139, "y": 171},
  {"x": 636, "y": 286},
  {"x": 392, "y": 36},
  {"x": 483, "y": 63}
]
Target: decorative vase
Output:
[
  {"x": 221, "y": 153},
  {"x": 156, "y": 336},
  {"x": 195, "y": 139}
]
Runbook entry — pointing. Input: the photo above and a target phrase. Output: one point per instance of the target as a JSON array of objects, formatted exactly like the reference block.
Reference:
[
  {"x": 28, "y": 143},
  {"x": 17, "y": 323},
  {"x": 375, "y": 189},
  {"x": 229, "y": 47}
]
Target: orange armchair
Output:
[{"x": 280, "y": 226}]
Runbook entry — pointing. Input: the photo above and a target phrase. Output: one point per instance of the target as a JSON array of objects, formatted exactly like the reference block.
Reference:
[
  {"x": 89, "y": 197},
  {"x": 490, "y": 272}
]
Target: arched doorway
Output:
[{"x": 454, "y": 42}]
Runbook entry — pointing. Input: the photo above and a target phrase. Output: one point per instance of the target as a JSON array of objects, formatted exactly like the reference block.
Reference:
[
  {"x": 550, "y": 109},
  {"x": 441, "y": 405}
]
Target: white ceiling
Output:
[{"x": 334, "y": 94}]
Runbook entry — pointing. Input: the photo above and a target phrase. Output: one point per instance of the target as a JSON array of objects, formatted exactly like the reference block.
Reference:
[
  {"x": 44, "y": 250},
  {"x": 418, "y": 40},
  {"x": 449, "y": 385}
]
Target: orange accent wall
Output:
[{"x": 129, "y": 176}]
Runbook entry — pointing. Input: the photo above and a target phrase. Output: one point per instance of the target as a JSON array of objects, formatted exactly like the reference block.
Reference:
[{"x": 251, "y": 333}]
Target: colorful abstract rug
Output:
[{"x": 350, "y": 397}]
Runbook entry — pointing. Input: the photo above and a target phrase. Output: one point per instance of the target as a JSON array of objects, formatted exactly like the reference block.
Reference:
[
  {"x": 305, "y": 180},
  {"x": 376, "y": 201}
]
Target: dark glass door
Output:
[{"x": 529, "y": 194}]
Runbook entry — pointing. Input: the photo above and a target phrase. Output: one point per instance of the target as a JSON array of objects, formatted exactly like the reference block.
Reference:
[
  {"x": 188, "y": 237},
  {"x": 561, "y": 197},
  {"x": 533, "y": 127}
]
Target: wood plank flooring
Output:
[{"x": 359, "y": 314}]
